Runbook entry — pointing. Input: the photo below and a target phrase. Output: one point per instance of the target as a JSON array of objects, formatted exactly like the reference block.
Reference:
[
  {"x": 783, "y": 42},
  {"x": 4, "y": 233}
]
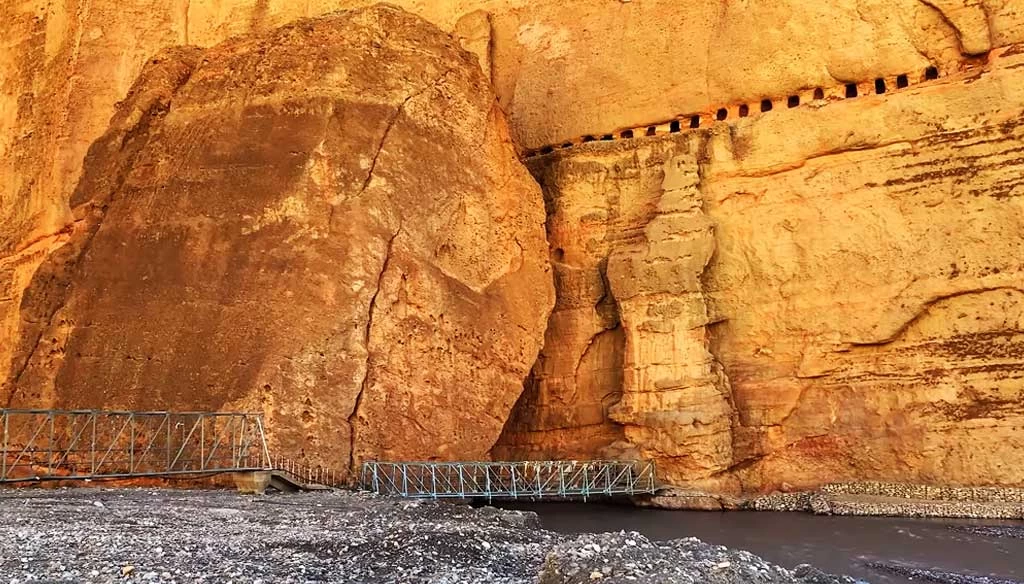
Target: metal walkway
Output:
[
  {"x": 509, "y": 480},
  {"x": 89, "y": 444}
]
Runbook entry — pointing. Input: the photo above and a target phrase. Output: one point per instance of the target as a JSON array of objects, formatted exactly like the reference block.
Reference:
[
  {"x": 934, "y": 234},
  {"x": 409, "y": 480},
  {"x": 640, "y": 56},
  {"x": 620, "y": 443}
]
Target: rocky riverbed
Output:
[{"x": 156, "y": 535}]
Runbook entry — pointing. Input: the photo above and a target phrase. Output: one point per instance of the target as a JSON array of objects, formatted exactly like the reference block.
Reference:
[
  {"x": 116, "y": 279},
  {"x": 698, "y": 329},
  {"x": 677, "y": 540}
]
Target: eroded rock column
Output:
[{"x": 675, "y": 402}]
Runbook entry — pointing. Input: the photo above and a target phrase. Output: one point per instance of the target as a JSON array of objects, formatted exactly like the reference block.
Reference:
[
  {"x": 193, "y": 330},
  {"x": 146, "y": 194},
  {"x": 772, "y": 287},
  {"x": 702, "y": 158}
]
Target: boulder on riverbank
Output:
[{"x": 326, "y": 223}]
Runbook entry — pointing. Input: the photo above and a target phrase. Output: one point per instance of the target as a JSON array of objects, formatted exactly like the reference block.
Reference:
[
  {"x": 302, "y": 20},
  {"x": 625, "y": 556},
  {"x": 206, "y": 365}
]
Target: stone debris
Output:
[
  {"x": 898, "y": 500},
  {"x": 928, "y": 492},
  {"x": 606, "y": 557},
  {"x": 171, "y": 536},
  {"x": 937, "y": 576},
  {"x": 999, "y": 531}
]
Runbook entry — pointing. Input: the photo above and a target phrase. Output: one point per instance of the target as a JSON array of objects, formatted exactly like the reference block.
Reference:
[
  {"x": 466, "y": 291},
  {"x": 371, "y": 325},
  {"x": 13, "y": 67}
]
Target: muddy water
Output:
[{"x": 846, "y": 545}]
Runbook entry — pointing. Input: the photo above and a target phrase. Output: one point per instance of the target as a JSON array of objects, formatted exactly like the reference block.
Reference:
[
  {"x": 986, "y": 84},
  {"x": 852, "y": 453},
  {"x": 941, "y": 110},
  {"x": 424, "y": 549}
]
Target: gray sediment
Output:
[{"x": 154, "y": 535}]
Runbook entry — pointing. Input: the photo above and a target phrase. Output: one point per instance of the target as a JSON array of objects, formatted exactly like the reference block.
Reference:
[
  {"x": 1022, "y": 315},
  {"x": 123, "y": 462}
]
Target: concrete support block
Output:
[{"x": 252, "y": 482}]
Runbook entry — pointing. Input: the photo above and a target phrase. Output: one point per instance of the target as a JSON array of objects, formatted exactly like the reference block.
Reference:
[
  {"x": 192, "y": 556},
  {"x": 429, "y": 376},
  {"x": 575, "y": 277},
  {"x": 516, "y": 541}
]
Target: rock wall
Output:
[
  {"x": 828, "y": 292},
  {"x": 327, "y": 223},
  {"x": 726, "y": 294},
  {"x": 561, "y": 71}
]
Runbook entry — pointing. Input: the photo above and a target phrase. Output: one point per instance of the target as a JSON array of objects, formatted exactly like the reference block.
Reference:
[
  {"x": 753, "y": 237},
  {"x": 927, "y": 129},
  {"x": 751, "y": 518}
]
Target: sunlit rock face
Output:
[
  {"x": 326, "y": 223},
  {"x": 805, "y": 287},
  {"x": 824, "y": 293}
]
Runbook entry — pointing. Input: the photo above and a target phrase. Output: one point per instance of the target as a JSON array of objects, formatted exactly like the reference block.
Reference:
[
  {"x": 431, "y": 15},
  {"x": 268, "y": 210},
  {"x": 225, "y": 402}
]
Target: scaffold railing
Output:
[
  {"x": 308, "y": 473},
  {"x": 91, "y": 444},
  {"x": 509, "y": 480}
]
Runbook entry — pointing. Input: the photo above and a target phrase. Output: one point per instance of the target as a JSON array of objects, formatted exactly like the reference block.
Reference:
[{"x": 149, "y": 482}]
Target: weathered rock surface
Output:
[
  {"x": 892, "y": 499},
  {"x": 561, "y": 71},
  {"x": 831, "y": 292},
  {"x": 327, "y": 223},
  {"x": 822, "y": 293}
]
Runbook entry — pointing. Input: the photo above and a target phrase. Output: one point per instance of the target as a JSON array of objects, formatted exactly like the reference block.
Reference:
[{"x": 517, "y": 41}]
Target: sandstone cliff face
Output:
[
  {"x": 327, "y": 223},
  {"x": 561, "y": 70},
  {"x": 823, "y": 292},
  {"x": 829, "y": 292}
]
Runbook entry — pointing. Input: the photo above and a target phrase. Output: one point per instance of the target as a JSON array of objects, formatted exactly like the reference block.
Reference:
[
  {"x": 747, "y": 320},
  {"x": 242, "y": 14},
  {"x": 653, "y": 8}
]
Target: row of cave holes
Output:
[{"x": 851, "y": 91}]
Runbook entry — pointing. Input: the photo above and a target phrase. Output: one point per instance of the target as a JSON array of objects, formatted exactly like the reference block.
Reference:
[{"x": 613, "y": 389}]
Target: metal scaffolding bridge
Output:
[
  {"x": 38, "y": 445},
  {"x": 509, "y": 480},
  {"x": 90, "y": 444}
]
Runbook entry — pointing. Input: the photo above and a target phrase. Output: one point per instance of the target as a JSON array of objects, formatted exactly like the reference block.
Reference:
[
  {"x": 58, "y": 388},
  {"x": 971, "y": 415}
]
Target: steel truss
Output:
[
  {"x": 86, "y": 444},
  {"x": 529, "y": 479}
]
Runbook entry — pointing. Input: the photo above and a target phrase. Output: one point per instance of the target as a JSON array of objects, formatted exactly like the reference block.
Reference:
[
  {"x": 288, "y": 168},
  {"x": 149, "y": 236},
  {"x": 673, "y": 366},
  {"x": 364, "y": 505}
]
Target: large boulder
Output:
[{"x": 327, "y": 223}]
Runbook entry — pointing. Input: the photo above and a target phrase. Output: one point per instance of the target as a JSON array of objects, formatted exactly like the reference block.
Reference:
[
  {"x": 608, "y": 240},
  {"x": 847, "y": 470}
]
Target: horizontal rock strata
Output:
[{"x": 828, "y": 293}]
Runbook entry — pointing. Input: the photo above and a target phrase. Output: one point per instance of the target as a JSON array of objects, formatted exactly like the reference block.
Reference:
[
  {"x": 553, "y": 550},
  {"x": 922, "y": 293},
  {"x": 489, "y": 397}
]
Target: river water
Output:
[{"x": 842, "y": 545}]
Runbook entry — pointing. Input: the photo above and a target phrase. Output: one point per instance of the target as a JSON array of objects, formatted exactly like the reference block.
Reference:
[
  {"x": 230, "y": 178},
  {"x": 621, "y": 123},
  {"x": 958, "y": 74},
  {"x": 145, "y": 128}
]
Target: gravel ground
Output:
[{"x": 104, "y": 535}]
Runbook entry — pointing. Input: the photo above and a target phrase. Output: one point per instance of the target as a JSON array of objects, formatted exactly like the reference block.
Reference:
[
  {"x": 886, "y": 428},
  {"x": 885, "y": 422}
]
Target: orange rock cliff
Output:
[{"x": 774, "y": 243}]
